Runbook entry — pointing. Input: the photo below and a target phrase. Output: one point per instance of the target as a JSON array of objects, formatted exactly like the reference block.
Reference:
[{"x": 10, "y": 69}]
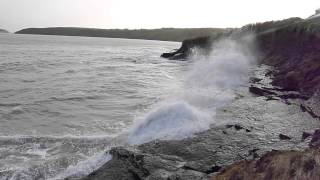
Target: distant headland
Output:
[
  {"x": 163, "y": 34},
  {"x": 3, "y": 31}
]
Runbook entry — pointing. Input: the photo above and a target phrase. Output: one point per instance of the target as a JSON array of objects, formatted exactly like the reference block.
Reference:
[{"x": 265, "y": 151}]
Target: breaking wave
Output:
[{"x": 209, "y": 84}]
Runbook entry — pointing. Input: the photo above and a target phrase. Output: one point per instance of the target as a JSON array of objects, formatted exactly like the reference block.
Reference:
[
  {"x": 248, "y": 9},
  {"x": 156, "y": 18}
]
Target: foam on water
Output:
[
  {"x": 52, "y": 157},
  {"x": 84, "y": 167}
]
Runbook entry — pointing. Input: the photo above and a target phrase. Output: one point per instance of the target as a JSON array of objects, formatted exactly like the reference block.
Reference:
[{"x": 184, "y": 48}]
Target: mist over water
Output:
[{"x": 208, "y": 84}]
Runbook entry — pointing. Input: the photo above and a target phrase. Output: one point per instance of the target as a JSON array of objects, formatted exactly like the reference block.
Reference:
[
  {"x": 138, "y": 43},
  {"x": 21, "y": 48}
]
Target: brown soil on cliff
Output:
[
  {"x": 295, "y": 53},
  {"x": 284, "y": 165}
]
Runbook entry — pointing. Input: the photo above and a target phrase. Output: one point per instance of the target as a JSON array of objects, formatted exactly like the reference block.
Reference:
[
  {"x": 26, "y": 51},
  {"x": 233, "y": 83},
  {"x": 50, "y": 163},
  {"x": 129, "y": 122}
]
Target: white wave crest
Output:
[
  {"x": 209, "y": 84},
  {"x": 170, "y": 121}
]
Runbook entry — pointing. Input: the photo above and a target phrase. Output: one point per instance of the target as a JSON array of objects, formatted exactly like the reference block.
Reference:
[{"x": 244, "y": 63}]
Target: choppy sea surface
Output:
[
  {"x": 64, "y": 101},
  {"x": 63, "y": 98}
]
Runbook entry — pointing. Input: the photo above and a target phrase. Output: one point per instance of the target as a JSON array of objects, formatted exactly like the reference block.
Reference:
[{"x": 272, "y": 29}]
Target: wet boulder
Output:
[{"x": 284, "y": 137}]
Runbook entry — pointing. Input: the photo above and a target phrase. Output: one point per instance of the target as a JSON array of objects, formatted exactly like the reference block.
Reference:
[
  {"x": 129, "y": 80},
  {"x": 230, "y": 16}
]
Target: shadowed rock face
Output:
[
  {"x": 187, "y": 46},
  {"x": 205, "y": 43}
]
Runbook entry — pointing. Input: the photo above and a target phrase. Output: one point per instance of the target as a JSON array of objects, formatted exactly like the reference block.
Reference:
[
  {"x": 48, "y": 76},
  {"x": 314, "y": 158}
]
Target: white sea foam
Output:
[
  {"x": 84, "y": 167},
  {"x": 209, "y": 84},
  {"x": 171, "y": 121}
]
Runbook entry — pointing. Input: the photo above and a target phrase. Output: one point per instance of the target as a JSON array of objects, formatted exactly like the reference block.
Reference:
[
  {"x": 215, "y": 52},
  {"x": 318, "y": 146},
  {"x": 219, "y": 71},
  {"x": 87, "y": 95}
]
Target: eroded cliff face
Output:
[
  {"x": 291, "y": 46},
  {"x": 294, "y": 51}
]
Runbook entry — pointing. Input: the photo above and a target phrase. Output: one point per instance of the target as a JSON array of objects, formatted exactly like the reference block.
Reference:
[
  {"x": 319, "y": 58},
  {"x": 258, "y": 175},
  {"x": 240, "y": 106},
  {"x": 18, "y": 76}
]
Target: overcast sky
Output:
[{"x": 18, "y": 14}]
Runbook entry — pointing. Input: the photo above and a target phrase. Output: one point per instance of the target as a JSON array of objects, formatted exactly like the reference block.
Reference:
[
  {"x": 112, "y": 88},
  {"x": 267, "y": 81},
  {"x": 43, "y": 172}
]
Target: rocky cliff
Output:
[
  {"x": 293, "y": 51},
  {"x": 270, "y": 131}
]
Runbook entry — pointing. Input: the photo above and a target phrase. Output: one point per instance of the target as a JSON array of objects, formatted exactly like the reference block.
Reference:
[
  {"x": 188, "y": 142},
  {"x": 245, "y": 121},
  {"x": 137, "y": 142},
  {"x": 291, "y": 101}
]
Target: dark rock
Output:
[
  {"x": 305, "y": 135},
  {"x": 271, "y": 98},
  {"x": 315, "y": 141},
  {"x": 203, "y": 43},
  {"x": 309, "y": 110},
  {"x": 256, "y": 91},
  {"x": 253, "y": 153},
  {"x": 260, "y": 91},
  {"x": 167, "y": 55},
  {"x": 294, "y": 96},
  {"x": 255, "y": 80},
  {"x": 213, "y": 169},
  {"x": 284, "y": 137},
  {"x": 238, "y": 127},
  {"x": 303, "y": 108},
  {"x": 309, "y": 165},
  {"x": 229, "y": 126}
]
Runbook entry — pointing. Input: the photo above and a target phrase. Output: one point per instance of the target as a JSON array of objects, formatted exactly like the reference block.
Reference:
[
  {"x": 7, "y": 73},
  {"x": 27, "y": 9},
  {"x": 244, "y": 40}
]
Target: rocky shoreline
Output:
[{"x": 268, "y": 132}]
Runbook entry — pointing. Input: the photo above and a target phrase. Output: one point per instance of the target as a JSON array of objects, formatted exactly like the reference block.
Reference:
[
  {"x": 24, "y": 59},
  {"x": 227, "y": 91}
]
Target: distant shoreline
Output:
[
  {"x": 3, "y": 31},
  {"x": 164, "y": 34}
]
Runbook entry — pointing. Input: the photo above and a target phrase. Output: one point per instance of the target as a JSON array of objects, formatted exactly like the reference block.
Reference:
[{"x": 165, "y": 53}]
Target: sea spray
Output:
[
  {"x": 209, "y": 84},
  {"x": 171, "y": 121}
]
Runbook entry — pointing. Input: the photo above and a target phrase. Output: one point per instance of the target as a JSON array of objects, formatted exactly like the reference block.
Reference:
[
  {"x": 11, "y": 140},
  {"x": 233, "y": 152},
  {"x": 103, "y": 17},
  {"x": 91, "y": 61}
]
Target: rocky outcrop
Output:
[
  {"x": 134, "y": 164},
  {"x": 187, "y": 46},
  {"x": 205, "y": 43}
]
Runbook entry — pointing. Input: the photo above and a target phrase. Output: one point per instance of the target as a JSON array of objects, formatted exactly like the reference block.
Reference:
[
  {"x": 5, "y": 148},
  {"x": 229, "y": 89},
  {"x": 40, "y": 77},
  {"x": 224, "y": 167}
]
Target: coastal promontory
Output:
[
  {"x": 163, "y": 34},
  {"x": 3, "y": 31}
]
